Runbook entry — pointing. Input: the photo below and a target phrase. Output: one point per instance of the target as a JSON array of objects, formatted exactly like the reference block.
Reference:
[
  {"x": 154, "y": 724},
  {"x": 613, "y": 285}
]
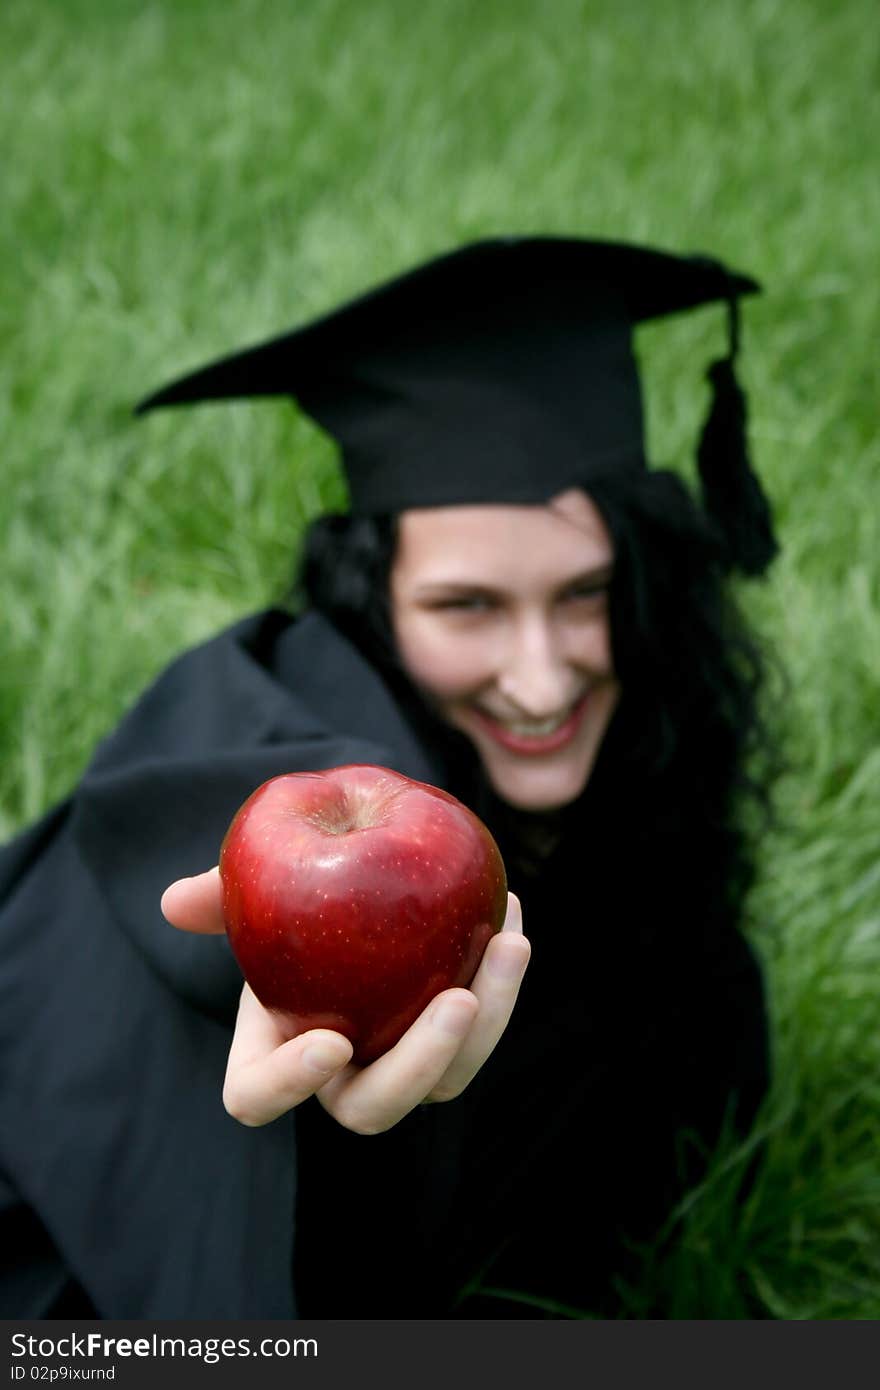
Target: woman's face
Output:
[{"x": 501, "y": 618}]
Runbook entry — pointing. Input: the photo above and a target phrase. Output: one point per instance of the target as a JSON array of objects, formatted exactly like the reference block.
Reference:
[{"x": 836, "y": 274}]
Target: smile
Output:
[{"x": 537, "y": 736}]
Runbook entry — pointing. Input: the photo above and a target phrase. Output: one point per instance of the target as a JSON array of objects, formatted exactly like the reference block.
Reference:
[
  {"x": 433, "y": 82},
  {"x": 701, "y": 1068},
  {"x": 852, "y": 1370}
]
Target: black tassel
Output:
[{"x": 732, "y": 493}]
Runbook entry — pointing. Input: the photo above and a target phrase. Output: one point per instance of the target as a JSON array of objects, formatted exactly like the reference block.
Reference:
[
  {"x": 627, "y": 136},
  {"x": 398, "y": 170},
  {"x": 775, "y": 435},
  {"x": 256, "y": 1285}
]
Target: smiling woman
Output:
[
  {"x": 533, "y": 620},
  {"x": 500, "y": 616}
]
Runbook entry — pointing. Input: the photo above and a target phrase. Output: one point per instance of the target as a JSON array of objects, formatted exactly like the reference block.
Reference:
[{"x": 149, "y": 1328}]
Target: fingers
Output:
[
  {"x": 496, "y": 986},
  {"x": 194, "y": 904},
  {"x": 268, "y": 1073},
  {"x": 444, "y": 1048},
  {"x": 371, "y": 1100}
]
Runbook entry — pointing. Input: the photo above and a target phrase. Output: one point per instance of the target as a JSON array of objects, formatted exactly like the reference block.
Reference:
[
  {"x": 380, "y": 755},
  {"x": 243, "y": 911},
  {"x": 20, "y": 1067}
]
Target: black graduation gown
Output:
[{"x": 124, "y": 1186}]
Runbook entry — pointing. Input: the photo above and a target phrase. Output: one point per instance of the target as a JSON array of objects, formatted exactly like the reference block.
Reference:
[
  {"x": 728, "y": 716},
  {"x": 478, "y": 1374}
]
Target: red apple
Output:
[{"x": 353, "y": 896}]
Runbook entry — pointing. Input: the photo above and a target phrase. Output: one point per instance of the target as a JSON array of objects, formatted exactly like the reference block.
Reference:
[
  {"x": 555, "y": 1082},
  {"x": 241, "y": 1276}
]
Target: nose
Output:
[{"x": 535, "y": 675}]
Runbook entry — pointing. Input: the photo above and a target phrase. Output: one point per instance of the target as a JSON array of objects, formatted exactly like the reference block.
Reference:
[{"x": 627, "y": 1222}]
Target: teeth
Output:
[
  {"x": 546, "y": 726},
  {"x": 535, "y": 728}
]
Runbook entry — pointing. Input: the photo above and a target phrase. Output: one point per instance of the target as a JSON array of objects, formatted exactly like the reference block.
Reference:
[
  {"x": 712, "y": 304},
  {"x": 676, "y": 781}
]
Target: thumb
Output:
[{"x": 195, "y": 904}]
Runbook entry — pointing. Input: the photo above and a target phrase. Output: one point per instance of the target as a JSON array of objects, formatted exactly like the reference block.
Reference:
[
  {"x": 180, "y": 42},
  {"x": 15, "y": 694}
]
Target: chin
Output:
[{"x": 535, "y": 790}]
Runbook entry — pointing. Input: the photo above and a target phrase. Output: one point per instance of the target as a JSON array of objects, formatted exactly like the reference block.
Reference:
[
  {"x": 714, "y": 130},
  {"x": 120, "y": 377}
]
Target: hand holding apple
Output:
[
  {"x": 353, "y": 896},
  {"x": 269, "y": 1072}
]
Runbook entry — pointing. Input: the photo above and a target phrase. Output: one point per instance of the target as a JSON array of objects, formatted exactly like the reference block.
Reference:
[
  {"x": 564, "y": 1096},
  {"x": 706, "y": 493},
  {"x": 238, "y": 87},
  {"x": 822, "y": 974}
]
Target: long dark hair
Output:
[{"x": 689, "y": 755}]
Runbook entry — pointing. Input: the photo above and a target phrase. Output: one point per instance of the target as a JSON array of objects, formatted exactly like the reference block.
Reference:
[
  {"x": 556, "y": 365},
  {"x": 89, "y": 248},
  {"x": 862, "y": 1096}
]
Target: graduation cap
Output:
[{"x": 504, "y": 372}]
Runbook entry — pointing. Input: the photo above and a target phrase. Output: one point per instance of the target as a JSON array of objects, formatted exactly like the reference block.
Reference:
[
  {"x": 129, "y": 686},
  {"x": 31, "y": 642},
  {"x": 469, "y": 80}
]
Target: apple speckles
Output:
[{"x": 364, "y": 929}]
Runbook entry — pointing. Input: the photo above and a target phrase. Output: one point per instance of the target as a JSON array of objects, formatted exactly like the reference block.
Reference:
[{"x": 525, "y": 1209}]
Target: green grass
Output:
[{"x": 183, "y": 177}]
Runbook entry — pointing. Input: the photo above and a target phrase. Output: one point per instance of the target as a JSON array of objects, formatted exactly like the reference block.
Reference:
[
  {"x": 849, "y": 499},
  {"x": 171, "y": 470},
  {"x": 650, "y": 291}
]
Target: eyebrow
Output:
[{"x": 430, "y": 587}]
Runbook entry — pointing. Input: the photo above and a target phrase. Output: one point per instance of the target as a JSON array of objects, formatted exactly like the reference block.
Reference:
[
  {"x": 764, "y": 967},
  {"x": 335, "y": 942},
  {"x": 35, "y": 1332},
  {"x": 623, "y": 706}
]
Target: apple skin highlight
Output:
[{"x": 354, "y": 895}]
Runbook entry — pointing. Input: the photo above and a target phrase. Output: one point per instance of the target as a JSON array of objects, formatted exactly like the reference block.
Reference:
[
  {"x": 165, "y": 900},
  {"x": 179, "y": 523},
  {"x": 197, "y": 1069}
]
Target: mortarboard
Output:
[{"x": 504, "y": 372}]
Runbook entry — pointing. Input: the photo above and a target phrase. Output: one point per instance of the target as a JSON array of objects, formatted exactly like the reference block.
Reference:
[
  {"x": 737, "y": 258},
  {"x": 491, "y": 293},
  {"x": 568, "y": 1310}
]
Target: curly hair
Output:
[{"x": 690, "y": 754}]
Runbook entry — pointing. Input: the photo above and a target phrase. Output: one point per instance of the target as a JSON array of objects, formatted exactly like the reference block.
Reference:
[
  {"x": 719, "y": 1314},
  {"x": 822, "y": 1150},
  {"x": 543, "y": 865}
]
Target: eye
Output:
[
  {"x": 591, "y": 592},
  {"x": 463, "y": 603}
]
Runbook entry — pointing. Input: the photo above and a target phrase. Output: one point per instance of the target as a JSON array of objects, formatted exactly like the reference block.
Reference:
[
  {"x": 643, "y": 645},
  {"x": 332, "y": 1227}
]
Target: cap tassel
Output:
[{"x": 732, "y": 493}]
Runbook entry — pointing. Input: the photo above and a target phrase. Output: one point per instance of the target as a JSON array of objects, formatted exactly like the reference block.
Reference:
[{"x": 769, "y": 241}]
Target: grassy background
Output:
[{"x": 182, "y": 177}]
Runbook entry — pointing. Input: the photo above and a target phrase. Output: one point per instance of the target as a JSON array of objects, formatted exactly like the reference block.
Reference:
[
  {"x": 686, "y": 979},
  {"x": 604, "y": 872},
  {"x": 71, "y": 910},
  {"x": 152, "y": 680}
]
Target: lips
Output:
[{"x": 542, "y": 740}]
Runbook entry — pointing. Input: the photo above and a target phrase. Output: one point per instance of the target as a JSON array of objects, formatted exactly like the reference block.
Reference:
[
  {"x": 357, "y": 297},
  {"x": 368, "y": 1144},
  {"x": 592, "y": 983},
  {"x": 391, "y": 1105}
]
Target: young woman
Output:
[{"x": 519, "y": 610}]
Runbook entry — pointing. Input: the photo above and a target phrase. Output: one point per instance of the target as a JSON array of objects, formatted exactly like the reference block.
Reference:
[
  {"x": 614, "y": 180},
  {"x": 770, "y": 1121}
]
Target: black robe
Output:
[{"x": 127, "y": 1190}]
